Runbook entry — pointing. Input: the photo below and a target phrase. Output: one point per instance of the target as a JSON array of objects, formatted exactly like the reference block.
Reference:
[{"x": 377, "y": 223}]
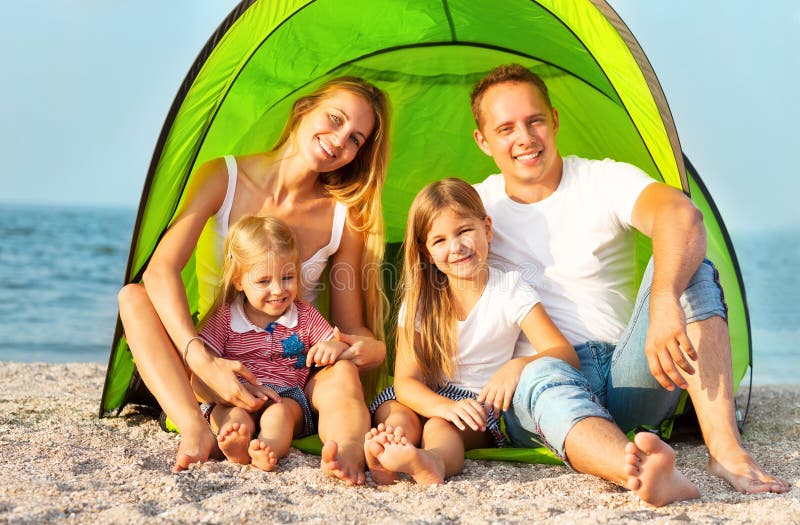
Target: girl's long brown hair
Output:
[{"x": 428, "y": 310}]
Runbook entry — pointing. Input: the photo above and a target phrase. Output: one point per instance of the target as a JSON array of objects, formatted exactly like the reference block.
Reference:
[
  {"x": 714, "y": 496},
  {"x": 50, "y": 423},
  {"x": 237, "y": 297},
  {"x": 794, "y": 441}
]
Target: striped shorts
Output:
[
  {"x": 290, "y": 392},
  {"x": 453, "y": 393}
]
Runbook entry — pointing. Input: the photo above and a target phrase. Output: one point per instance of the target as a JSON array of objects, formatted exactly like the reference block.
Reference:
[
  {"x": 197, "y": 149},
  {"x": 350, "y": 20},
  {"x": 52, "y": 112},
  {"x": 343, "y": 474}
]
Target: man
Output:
[{"x": 567, "y": 224}]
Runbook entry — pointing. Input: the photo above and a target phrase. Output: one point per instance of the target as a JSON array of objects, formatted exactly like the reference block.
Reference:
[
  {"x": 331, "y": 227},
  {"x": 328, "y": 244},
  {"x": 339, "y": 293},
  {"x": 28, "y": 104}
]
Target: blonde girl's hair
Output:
[
  {"x": 359, "y": 186},
  {"x": 429, "y": 312},
  {"x": 251, "y": 240}
]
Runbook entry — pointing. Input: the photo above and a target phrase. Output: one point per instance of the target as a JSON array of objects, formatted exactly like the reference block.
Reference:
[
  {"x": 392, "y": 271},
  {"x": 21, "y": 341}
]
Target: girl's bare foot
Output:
[
  {"x": 262, "y": 455},
  {"x": 398, "y": 455},
  {"x": 745, "y": 475},
  {"x": 194, "y": 447},
  {"x": 344, "y": 463},
  {"x": 650, "y": 466},
  {"x": 233, "y": 439},
  {"x": 373, "y": 446}
]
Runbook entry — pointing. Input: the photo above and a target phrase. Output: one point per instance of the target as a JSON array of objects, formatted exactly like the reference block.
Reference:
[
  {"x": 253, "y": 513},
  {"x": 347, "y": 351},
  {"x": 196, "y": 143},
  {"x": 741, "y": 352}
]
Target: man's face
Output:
[{"x": 519, "y": 131}]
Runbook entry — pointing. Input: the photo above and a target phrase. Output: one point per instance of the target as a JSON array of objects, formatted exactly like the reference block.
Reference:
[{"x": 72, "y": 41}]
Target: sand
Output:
[{"x": 60, "y": 463}]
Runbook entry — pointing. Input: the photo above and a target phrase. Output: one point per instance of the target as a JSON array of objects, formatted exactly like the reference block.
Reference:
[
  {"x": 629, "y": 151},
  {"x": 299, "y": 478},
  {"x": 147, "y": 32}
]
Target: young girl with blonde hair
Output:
[
  {"x": 457, "y": 328},
  {"x": 324, "y": 178},
  {"x": 260, "y": 322}
]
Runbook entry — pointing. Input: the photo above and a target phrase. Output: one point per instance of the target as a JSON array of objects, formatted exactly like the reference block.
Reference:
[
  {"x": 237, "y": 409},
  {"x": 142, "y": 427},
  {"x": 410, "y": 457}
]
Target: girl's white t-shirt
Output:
[{"x": 486, "y": 338}]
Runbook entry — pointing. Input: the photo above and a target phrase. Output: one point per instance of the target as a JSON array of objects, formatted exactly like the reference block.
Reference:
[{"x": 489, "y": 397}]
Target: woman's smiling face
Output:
[{"x": 330, "y": 135}]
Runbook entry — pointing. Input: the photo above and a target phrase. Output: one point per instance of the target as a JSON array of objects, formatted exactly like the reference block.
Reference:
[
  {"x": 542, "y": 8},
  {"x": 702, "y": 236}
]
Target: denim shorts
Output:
[
  {"x": 289, "y": 392},
  {"x": 614, "y": 382}
]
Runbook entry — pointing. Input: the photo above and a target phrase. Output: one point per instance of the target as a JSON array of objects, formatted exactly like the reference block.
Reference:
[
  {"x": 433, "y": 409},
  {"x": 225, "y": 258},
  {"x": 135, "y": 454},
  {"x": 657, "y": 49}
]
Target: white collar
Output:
[{"x": 241, "y": 324}]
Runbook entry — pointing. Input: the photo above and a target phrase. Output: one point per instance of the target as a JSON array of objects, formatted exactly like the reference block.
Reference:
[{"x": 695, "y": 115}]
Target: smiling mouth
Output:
[
  {"x": 328, "y": 151},
  {"x": 461, "y": 260},
  {"x": 528, "y": 156}
]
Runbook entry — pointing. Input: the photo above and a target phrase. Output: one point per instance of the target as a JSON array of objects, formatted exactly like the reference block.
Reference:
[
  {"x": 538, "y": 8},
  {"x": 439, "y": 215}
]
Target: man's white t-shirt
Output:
[{"x": 576, "y": 247}]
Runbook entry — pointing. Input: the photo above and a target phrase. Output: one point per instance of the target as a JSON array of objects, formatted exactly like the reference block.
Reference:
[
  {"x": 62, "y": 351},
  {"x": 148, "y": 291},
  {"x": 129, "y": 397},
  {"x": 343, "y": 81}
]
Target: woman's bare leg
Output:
[
  {"x": 336, "y": 394},
  {"x": 163, "y": 373}
]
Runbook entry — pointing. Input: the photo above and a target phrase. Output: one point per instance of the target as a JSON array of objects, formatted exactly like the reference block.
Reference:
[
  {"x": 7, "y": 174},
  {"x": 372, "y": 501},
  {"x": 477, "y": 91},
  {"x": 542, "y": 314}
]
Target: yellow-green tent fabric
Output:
[{"x": 426, "y": 54}]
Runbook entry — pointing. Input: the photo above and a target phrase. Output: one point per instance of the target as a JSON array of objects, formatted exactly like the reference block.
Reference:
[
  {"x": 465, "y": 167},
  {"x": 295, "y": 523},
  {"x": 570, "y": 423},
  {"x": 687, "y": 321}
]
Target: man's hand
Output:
[{"x": 667, "y": 345}]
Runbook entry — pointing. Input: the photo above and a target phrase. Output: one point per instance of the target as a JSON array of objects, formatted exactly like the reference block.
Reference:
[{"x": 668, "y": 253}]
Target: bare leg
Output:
[
  {"x": 163, "y": 373},
  {"x": 597, "y": 446},
  {"x": 336, "y": 394},
  {"x": 234, "y": 427},
  {"x": 650, "y": 465},
  {"x": 711, "y": 390},
  {"x": 398, "y": 420},
  {"x": 441, "y": 455},
  {"x": 279, "y": 423}
]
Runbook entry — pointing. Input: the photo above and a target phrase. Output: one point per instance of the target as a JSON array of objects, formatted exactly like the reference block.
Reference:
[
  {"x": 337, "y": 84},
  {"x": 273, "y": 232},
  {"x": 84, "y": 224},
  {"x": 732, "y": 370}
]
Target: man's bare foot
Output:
[
  {"x": 194, "y": 447},
  {"x": 233, "y": 439},
  {"x": 262, "y": 455},
  {"x": 745, "y": 475},
  {"x": 344, "y": 463},
  {"x": 398, "y": 455},
  {"x": 373, "y": 446},
  {"x": 650, "y": 467}
]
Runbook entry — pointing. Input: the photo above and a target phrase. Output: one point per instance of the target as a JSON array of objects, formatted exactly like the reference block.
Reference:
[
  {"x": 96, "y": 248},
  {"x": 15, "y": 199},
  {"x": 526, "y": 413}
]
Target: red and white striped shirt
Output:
[{"x": 274, "y": 353}]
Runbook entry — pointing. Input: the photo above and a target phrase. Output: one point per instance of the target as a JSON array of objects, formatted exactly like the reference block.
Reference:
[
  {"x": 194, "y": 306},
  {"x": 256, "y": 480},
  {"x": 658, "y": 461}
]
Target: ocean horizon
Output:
[{"x": 61, "y": 267}]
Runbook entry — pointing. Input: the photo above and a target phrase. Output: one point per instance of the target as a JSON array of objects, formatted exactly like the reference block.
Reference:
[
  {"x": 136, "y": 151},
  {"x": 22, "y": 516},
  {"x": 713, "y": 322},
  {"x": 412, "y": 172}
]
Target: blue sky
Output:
[{"x": 87, "y": 85}]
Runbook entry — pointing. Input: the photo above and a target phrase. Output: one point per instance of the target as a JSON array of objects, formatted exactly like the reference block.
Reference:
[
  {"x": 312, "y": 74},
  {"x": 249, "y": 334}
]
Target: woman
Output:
[{"x": 326, "y": 169}]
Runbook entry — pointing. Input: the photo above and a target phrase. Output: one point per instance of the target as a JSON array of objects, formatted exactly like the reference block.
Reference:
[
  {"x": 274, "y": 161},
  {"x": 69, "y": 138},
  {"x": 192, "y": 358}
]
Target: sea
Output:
[{"x": 61, "y": 268}]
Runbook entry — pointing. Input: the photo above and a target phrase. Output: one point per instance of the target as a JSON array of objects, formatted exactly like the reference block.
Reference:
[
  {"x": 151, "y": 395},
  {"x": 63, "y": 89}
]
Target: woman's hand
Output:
[
  {"x": 365, "y": 352},
  {"x": 219, "y": 382},
  {"x": 259, "y": 391},
  {"x": 499, "y": 391},
  {"x": 465, "y": 413}
]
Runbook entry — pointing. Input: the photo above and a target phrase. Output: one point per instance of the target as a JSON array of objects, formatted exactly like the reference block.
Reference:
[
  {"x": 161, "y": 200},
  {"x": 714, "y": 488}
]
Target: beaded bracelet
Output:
[{"x": 186, "y": 348}]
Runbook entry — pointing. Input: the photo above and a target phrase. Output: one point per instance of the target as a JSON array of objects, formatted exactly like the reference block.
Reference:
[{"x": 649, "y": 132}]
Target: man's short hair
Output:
[{"x": 500, "y": 75}]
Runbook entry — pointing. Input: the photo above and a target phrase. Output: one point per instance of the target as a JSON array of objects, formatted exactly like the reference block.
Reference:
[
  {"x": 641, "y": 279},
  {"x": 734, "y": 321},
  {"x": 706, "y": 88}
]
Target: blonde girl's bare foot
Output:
[
  {"x": 262, "y": 455},
  {"x": 398, "y": 455},
  {"x": 194, "y": 447},
  {"x": 233, "y": 440},
  {"x": 650, "y": 467},
  {"x": 373, "y": 446},
  {"x": 344, "y": 463},
  {"x": 745, "y": 475}
]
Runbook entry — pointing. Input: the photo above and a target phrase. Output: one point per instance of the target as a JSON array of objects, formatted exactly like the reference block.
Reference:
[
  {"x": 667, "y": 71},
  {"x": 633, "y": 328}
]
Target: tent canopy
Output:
[{"x": 426, "y": 55}]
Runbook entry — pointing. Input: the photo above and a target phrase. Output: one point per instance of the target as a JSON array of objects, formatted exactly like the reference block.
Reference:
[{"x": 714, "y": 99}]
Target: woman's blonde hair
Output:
[
  {"x": 359, "y": 186},
  {"x": 251, "y": 241},
  {"x": 428, "y": 309}
]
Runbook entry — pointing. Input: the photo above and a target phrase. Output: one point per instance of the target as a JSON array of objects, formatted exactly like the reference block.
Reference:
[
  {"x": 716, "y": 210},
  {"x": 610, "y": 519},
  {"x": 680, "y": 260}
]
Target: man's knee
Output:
[
  {"x": 542, "y": 375},
  {"x": 704, "y": 297}
]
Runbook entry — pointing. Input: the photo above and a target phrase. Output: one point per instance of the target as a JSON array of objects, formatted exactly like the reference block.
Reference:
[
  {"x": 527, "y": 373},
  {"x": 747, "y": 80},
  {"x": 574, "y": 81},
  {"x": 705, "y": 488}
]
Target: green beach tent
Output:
[{"x": 426, "y": 54}]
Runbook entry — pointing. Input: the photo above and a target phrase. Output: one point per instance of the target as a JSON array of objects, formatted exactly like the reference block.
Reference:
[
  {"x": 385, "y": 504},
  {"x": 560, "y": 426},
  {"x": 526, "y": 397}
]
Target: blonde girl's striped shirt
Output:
[{"x": 274, "y": 353}]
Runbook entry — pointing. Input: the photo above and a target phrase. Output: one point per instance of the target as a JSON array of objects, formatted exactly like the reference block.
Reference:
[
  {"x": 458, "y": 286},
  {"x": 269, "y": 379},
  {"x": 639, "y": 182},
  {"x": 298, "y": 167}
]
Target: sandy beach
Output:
[{"x": 61, "y": 464}]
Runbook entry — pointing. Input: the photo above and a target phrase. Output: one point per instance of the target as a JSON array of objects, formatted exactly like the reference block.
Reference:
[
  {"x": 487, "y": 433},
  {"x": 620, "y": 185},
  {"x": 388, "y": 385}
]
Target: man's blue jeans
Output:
[{"x": 614, "y": 382}]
